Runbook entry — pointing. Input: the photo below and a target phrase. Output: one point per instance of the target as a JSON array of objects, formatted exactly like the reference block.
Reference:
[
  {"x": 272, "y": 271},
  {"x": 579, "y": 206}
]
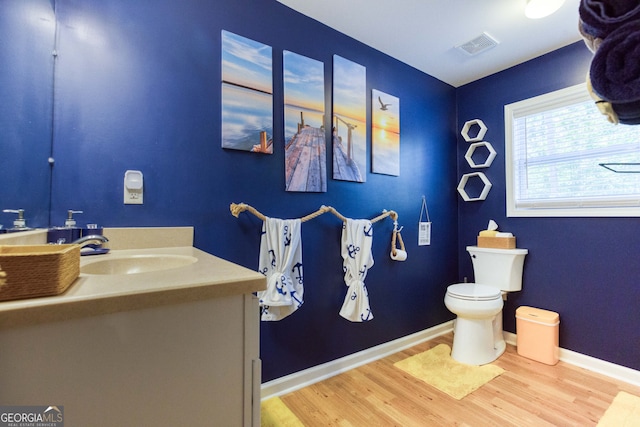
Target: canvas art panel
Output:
[
  {"x": 349, "y": 121},
  {"x": 304, "y": 130},
  {"x": 247, "y": 94},
  {"x": 385, "y": 133}
]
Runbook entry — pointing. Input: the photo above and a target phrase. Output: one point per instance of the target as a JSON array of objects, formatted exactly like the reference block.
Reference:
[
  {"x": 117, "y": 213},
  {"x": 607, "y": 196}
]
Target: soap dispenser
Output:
[
  {"x": 19, "y": 224},
  {"x": 66, "y": 234},
  {"x": 70, "y": 224}
]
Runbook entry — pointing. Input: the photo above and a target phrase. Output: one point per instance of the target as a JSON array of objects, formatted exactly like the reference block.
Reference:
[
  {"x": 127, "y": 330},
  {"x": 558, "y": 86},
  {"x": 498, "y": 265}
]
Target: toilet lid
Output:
[{"x": 474, "y": 292}]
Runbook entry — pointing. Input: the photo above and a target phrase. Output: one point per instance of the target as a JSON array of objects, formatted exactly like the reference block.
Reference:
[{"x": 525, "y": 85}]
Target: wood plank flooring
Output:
[{"x": 529, "y": 393}]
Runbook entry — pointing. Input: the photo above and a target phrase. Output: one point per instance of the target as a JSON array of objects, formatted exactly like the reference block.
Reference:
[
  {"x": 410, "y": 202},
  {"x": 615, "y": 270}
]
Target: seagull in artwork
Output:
[{"x": 383, "y": 106}]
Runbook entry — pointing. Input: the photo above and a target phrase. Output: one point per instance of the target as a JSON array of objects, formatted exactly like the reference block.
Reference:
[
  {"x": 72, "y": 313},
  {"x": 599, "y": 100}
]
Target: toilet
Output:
[{"x": 477, "y": 334}]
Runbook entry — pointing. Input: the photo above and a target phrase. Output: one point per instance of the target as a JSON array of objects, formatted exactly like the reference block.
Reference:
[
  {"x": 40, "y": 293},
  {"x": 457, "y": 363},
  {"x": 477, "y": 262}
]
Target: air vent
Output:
[{"x": 481, "y": 43}]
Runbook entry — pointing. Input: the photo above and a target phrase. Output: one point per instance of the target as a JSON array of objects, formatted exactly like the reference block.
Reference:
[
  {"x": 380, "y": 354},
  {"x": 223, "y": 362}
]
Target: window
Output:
[{"x": 555, "y": 144}]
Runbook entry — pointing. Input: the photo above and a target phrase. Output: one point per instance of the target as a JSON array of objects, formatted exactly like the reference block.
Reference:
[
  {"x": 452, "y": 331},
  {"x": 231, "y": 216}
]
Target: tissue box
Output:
[{"x": 497, "y": 242}]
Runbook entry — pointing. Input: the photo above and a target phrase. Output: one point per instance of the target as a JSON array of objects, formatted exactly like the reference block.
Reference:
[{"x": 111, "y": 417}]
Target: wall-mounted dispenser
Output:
[{"x": 133, "y": 187}]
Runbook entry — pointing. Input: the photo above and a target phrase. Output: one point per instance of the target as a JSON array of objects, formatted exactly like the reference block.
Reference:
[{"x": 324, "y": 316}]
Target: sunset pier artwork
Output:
[
  {"x": 265, "y": 145},
  {"x": 344, "y": 167},
  {"x": 247, "y": 94},
  {"x": 305, "y": 155},
  {"x": 349, "y": 119},
  {"x": 385, "y": 133}
]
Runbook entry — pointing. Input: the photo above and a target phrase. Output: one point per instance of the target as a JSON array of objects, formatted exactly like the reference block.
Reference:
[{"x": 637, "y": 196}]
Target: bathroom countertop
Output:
[{"x": 91, "y": 295}]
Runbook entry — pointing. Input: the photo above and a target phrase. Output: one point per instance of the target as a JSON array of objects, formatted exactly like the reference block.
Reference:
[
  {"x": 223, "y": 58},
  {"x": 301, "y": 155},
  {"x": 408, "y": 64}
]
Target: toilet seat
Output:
[{"x": 474, "y": 292}]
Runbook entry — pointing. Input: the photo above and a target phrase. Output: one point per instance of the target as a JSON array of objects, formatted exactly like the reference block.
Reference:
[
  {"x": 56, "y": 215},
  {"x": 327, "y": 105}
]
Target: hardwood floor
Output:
[{"x": 529, "y": 393}]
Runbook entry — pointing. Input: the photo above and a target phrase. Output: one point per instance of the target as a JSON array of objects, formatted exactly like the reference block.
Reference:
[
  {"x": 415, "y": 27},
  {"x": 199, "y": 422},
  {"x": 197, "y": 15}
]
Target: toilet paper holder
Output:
[{"x": 397, "y": 254}]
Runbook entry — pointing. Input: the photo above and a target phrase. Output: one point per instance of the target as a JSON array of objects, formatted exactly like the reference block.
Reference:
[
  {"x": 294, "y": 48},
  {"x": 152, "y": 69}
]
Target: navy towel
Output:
[
  {"x": 615, "y": 68},
  {"x": 601, "y": 17},
  {"x": 628, "y": 113},
  {"x": 593, "y": 43}
]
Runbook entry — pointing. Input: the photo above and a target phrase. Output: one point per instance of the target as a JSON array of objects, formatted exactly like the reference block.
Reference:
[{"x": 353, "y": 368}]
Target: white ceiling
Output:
[{"x": 424, "y": 33}]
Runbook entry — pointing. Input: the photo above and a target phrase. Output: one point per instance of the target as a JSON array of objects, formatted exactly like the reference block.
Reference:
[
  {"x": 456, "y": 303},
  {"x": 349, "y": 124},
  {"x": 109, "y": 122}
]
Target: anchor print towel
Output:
[
  {"x": 281, "y": 261},
  {"x": 357, "y": 237}
]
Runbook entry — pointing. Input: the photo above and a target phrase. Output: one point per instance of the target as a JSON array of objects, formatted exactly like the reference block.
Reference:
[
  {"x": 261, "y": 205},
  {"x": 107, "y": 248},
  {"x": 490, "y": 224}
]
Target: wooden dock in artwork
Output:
[
  {"x": 344, "y": 167},
  {"x": 306, "y": 160}
]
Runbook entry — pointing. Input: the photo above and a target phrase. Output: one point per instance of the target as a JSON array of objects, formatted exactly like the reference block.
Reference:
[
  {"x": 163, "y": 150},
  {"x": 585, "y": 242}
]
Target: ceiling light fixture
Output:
[{"x": 536, "y": 9}]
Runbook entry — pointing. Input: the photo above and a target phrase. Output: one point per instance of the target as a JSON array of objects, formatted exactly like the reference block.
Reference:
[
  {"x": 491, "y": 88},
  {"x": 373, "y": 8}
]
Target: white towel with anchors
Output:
[
  {"x": 281, "y": 261},
  {"x": 357, "y": 238}
]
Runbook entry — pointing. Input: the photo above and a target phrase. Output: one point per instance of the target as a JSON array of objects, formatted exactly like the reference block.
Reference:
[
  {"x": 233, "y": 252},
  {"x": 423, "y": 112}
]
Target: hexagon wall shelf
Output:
[
  {"x": 463, "y": 182},
  {"x": 467, "y": 127},
  {"x": 488, "y": 160}
]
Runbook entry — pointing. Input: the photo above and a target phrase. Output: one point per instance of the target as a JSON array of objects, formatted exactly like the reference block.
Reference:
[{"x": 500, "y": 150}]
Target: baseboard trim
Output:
[
  {"x": 298, "y": 380},
  {"x": 306, "y": 377},
  {"x": 618, "y": 372}
]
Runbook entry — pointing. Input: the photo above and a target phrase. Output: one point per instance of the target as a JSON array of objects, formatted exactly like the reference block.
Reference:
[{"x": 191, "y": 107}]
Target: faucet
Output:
[{"x": 83, "y": 240}]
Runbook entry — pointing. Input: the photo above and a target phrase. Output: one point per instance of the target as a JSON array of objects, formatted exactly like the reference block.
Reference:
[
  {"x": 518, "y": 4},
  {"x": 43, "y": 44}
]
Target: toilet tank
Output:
[{"x": 500, "y": 268}]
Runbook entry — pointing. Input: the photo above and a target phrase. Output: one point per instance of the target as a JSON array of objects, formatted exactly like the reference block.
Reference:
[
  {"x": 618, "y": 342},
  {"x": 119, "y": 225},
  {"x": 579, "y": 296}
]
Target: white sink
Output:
[{"x": 135, "y": 264}]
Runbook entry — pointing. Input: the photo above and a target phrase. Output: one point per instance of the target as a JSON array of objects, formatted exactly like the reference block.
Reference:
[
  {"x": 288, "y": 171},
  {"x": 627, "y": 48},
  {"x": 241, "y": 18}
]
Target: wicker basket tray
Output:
[{"x": 38, "y": 270}]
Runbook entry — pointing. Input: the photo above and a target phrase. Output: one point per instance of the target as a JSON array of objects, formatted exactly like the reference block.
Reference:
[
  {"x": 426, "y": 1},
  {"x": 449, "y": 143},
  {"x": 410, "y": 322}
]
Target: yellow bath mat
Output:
[
  {"x": 623, "y": 412},
  {"x": 437, "y": 368},
  {"x": 274, "y": 413}
]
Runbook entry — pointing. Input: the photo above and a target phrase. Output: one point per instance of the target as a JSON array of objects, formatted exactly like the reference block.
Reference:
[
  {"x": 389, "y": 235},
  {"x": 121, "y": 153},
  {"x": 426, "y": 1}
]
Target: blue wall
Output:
[
  {"x": 586, "y": 269},
  {"x": 138, "y": 87},
  {"x": 27, "y": 39}
]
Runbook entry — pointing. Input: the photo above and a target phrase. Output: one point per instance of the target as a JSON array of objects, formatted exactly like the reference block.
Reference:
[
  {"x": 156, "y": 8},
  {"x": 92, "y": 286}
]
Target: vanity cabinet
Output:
[
  {"x": 188, "y": 364},
  {"x": 174, "y": 347}
]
